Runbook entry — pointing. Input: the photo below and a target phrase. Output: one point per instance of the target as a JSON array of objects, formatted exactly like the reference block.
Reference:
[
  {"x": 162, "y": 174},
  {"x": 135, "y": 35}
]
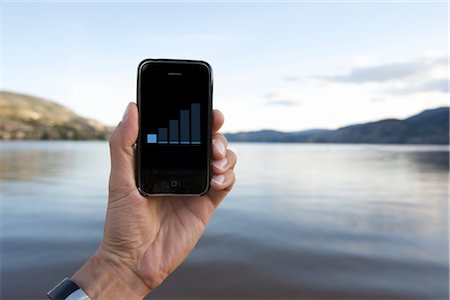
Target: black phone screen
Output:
[{"x": 175, "y": 102}]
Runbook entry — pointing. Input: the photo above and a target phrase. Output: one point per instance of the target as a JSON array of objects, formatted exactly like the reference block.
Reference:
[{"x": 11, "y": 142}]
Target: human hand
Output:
[{"x": 147, "y": 238}]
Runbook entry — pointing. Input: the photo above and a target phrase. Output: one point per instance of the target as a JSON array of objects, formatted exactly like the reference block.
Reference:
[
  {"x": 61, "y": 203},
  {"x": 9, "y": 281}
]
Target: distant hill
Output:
[
  {"x": 31, "y": 118},
  {"x": 27, "y": 117},
  {"x": 428, "y": 127}
]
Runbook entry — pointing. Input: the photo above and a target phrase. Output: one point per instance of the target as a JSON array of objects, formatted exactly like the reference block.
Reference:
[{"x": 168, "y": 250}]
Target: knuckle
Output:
[
  {"x": 231, "y": 179},
  {"x": 217, "y": 136},
  {"x": 229, "y": 175},
  {"x": 113, "y": 139},
  {"x": 225, "y": 139},
  {"x": 231, "y": 156}
]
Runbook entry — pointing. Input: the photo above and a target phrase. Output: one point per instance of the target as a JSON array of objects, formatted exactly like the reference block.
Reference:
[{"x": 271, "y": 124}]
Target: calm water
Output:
[{"x": 303, "y": 222}]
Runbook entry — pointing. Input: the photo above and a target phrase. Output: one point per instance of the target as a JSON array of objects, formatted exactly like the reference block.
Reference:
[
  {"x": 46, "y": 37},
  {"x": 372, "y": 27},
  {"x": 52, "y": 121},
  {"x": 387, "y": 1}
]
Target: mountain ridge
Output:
[
  {"x": 33, "y": 118},
  {"x": 26, "y": 117},
  {"x": 430, "y": 126}
]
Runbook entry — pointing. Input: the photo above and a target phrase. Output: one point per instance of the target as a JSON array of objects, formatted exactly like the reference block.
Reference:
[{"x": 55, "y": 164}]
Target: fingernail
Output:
[
  {"x": 220, "y": 147},
  {"x": 218, "y": 179},
  {"x": 125, "y": 114},
  {"x": 220, "y": 164}
]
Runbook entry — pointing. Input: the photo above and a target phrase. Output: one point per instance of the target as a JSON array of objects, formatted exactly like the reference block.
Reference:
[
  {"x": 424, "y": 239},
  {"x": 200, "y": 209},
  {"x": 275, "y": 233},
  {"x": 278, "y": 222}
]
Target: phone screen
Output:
[{"x": 175, "y": 101}]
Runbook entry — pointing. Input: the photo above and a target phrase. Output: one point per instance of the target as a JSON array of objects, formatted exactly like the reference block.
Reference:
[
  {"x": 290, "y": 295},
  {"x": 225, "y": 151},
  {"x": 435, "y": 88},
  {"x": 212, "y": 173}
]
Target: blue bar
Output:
[
  {"x": 162, "y": 135},
  {"x": 184, "y": 127},
  {"x": 195, "y": 123},
  {"x": 151, "y": 138},
  {"x": 173, "y": 131}
]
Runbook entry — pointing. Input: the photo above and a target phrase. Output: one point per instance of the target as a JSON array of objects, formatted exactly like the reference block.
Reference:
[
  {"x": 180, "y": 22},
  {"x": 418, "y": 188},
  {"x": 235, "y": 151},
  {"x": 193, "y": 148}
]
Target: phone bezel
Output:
[{"x": 139, "y": 179}]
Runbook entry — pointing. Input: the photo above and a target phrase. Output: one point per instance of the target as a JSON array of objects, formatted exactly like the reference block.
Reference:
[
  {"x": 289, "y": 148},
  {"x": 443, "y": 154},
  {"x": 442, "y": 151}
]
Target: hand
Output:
[{"x": 147, "y": 238}]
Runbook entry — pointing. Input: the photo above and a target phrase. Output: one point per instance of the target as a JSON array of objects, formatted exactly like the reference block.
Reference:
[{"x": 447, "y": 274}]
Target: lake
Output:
[{"x": 304, "y": 221}]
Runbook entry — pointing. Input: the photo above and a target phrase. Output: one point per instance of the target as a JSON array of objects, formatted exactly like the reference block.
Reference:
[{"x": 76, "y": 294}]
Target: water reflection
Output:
[
  {"x": 24, "y": 161},
  {"x": 312, "y": 221}
]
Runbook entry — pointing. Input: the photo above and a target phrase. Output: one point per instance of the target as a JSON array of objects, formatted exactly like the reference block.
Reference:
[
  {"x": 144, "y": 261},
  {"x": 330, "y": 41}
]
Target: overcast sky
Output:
[{"x": 284, "y": 66}]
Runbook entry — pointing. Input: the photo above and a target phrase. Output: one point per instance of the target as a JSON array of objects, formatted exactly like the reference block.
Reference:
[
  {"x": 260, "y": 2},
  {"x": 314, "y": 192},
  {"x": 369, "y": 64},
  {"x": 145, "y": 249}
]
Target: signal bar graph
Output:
[{"x": 185, "y": 130}]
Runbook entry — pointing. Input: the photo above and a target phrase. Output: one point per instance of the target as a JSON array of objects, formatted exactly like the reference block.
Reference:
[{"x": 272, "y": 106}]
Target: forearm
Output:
[{"x": 103, "y": 278}]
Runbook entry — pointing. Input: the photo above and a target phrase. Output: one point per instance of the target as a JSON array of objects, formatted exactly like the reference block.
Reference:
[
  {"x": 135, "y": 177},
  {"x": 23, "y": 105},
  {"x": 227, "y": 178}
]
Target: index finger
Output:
[{"x": 217, "y": 120}]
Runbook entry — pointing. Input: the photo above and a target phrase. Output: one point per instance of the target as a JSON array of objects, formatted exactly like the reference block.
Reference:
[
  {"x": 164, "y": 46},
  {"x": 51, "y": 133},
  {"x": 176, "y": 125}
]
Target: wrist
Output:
[{"x": 104, "y": 277}]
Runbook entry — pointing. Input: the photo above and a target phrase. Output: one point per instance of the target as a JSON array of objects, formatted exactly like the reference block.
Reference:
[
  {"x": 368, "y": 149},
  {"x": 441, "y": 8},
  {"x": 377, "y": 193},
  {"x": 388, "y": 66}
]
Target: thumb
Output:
[{"x": 122, "y": 179}]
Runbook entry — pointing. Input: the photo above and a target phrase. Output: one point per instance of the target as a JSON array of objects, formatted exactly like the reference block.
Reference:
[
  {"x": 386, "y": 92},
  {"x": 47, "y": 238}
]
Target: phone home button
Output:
[{"x": 173, "y": 184}]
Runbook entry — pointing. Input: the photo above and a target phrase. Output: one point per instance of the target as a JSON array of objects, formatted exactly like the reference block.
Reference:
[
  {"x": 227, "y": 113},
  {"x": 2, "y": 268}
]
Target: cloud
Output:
[
  {"x": 388, "y": 72},
  {"x": 270, "y": 95},
  {"x": 416, "y": 76},
  {"x": 291, "y": 78},
  {"x": 282, "y": 102},
  {"x": 379, "y": 73},
  {"x": 440, "y": 85},
  {"x": 437, "y": 85},
  {"x": 279, "y": 100},
  {"x": 441, "y": 60}
]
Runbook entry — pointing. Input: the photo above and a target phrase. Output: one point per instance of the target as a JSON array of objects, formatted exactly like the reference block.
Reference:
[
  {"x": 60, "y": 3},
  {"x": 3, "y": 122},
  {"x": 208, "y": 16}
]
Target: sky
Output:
[{"x": 277, "y": 65}]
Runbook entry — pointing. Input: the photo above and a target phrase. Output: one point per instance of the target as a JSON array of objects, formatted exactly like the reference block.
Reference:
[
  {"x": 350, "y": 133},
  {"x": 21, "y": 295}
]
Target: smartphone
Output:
[{"x": 174, "y": 99}]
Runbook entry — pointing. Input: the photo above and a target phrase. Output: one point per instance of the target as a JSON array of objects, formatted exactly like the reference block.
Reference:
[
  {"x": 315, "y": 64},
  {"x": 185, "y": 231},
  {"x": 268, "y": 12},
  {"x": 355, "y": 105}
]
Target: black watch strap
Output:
[{"x": 63, "y": 290}]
